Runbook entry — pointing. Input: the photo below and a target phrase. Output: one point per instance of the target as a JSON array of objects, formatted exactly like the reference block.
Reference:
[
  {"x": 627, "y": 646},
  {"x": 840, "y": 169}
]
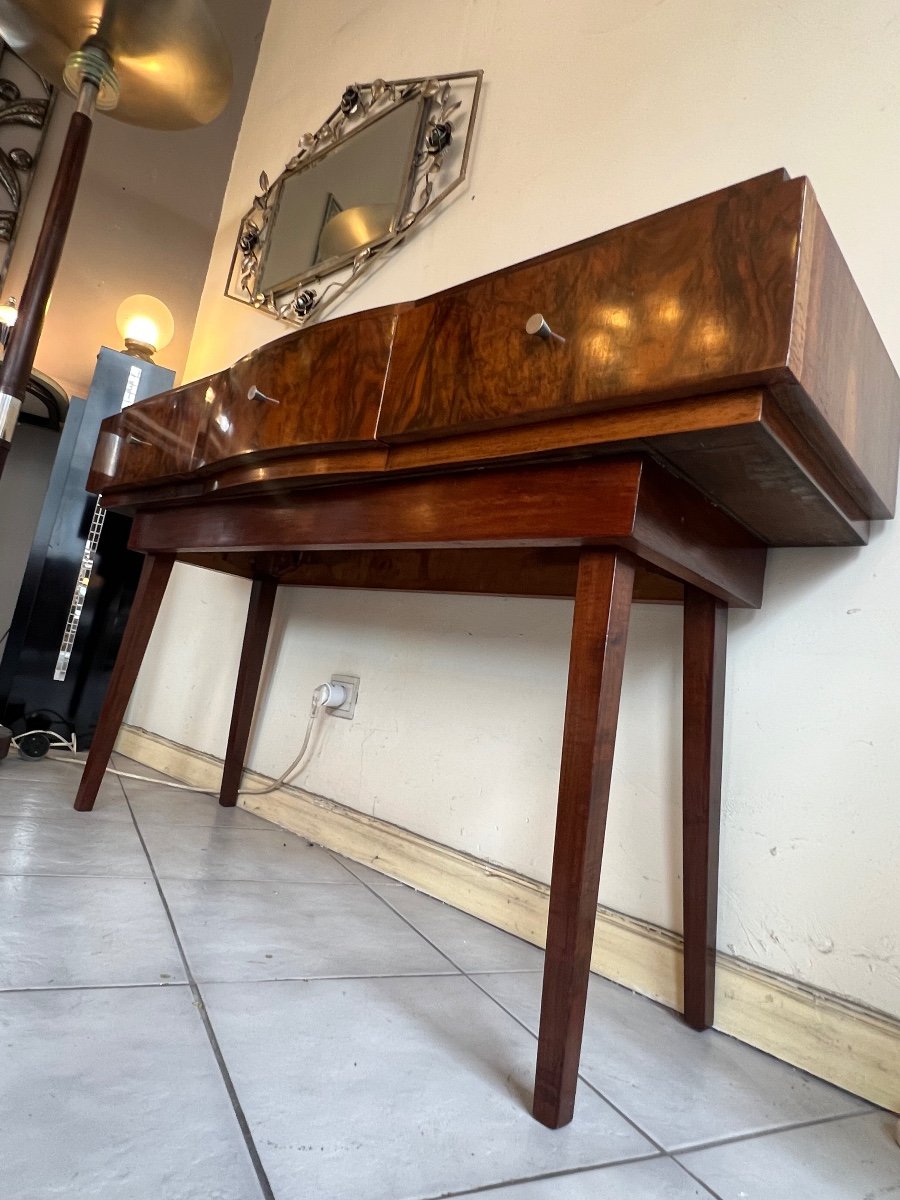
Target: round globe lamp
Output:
[{"x": 146, "y": 326}]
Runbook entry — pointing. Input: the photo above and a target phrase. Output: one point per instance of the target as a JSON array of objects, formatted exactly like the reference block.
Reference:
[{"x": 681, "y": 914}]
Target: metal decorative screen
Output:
[{"x": 26, "y": 101}]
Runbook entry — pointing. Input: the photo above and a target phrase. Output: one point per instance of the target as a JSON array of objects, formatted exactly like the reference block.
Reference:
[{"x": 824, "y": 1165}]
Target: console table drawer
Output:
[
  {"x": 318, "y": 389},
  {"x": 153, "y": 439},
  {"x": 693, "y": 300}
]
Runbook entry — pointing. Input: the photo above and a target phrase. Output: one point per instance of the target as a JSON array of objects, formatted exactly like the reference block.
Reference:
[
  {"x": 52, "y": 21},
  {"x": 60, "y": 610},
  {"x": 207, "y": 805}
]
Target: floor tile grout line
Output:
[
  {"x": 696, "y": 1178},
  {"x": 243, "y": 1124},
  {"x": 631, "y": 1160},
  {"x": 486, "y": 971},
  {"x": 243, "y": 831},
  {"x": 402, "y": 917},
  {"x": 331, "y": 978},
  {"x": 338, "y": 883},
  {"x": 625, "y": 1117},
  {"x": 92, "y": 987},
  {"x": 643, "y": 1133},
  {"x": 23, "y": 808},
  {"x": 72, "y": 875},
  {"x": 201, "y": 825},
  {"x": 503, "y": 1008},
  {"x": 42, "y": 818},
  {"x": 504, "y": 971},
  {"x": 714, "y": 1143}
]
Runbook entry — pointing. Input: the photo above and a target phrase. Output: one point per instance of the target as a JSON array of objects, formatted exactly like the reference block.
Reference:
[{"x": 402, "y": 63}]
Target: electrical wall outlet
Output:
[{"x": 348, "y": 708}]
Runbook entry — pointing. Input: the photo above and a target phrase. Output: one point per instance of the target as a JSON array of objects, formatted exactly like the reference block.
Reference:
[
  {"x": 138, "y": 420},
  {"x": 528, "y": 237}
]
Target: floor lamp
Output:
[{"x": 162, "y": 64}]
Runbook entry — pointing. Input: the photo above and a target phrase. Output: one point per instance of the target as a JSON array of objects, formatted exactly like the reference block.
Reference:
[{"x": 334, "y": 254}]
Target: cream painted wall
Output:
[{"x": 596, "y": 113}]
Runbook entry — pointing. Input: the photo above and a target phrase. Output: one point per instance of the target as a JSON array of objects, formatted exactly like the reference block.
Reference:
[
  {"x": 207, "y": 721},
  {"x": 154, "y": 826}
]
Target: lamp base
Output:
[{"x": 140, "y": 349}]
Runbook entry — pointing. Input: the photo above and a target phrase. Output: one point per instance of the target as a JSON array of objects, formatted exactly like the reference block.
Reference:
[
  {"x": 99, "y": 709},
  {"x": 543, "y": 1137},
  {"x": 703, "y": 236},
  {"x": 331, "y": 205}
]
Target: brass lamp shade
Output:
[{"x": 171, "y": 61}]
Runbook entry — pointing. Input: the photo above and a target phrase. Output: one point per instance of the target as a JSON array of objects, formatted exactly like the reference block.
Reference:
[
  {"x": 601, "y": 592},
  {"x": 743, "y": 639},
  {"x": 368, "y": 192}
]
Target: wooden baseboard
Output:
[{"x": 834, "y": 1039}]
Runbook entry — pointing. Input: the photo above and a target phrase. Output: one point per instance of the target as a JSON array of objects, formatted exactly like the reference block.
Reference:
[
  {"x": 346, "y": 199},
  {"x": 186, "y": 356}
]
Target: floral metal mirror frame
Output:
[{"x": 362, "y": 183}]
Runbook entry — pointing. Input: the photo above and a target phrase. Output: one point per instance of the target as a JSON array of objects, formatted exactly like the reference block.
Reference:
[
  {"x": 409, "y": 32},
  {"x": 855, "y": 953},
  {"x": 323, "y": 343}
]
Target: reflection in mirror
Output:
[
  {"x": 354, "y": 196},
  {"x": 382, "y": 161}
]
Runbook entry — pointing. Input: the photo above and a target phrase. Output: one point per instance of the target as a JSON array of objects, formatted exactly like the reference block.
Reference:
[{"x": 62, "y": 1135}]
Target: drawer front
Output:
[
  {"x": 153, "y": 439},
  {"x": 695, "y": 299},
  {"x": 317, "y": 389}
]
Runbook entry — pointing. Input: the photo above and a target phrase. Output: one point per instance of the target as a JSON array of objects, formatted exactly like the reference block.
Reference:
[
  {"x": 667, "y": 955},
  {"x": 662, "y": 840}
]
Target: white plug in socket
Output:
[
  {"x": 350, "y": 684},
  {"x": 331, "y": 695}
]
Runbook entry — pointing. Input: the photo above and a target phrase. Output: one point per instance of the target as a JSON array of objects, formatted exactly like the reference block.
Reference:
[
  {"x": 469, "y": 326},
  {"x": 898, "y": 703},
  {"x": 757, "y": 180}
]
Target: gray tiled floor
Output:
[{"x": 195, "y": 1004}]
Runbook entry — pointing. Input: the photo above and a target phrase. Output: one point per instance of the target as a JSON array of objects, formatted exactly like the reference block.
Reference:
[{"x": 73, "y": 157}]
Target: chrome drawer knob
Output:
[
  {"x": 536, "y": 326},
  {"x": 255, "y": 394}
]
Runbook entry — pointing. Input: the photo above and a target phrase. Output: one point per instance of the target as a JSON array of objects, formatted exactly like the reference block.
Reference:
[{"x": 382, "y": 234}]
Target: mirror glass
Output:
[
  {"x": 329, "y": 209},
  {"x": 371, "y": 174}
]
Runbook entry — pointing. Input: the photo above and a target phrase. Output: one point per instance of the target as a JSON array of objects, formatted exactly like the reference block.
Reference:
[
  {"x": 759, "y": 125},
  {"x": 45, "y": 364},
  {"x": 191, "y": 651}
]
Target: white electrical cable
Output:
[
  {"x": 326, "y": 695},
  {"x": 58, "y": 739},
  {"x": 317, "y": 706}
]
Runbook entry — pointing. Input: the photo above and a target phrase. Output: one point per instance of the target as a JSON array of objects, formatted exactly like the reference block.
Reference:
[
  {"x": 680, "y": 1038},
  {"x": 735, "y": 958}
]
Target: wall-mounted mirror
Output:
[{"x": 379, "y": 165}]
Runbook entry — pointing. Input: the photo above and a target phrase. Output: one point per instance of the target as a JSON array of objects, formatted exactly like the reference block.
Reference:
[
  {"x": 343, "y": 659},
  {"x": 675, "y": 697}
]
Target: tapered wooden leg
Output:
[
  {"x": 705, "y": 630},
  {"x": 599, "y": 631},
  {"x": 256, "y": 633},
  {"x": 148, "y": 597}
]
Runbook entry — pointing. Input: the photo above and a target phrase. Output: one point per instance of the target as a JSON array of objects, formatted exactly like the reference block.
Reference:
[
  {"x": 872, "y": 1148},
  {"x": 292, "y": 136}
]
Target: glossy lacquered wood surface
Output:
[
  {"x": 155, "y": 439},
  {"x": 672, "y": 325},
  {"x": 737, "y": 448},
  {"x": 626, "y": 502},
  {"x": 757, "y": 467},
  {"x": 691, "y": 300},
  {"x": 839, "y": 369},
  {"x": 149, "y": 596},
  {"x": 495, "y": 572},
  {"x": 743, "y": 287},
  {"x": 321, "y": 388},
  {"x": 253, "y": 653},
  {"x": 303, "y": 394},
  {"x": 705, "y": 634},
  {"x": 596, "y": 662}
]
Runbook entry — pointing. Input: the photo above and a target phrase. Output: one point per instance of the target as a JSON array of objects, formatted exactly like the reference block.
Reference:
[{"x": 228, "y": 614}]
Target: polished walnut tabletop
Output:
[{"x": 725, "y": 338}]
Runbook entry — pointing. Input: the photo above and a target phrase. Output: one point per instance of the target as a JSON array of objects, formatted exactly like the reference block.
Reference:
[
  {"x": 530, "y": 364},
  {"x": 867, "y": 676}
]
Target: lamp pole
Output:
[
  {"x": 139, "y": 37},
  {"x": 21, "y": 349}
]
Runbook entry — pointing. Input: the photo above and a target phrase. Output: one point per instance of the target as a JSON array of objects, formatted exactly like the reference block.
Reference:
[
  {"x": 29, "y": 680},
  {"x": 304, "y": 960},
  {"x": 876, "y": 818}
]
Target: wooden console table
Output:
[{"x": 720, "y": 388}]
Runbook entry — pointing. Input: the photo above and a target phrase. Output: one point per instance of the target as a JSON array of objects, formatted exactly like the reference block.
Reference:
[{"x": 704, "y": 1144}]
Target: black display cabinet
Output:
[{"x": 80, "y": 577}]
